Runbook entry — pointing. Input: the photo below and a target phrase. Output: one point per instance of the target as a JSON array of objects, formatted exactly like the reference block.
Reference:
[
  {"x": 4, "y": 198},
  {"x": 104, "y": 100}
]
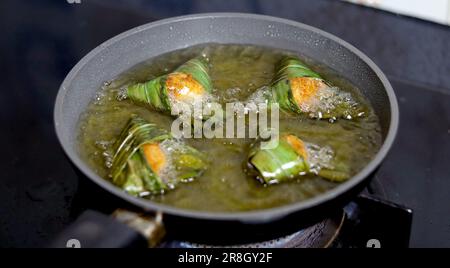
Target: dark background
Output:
[{"x": 40, "y": 41}]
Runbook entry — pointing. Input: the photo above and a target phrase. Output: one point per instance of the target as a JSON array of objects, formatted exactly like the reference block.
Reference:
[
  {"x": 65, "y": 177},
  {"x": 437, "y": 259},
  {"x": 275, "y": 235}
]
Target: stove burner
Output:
[{"x": 320, "y": 235}]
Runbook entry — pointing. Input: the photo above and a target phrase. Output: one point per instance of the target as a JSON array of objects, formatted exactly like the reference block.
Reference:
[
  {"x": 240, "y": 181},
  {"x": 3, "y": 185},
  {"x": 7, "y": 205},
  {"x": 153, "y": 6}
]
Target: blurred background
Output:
[
  {"x": 41, "y": 40},
  {"x": 435, "y": 10}
]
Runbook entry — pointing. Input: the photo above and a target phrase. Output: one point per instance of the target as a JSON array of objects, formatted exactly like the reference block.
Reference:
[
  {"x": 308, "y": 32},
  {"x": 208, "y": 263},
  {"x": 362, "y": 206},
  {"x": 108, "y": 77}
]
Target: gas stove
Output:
[
  {"x": 370, "y": 220},
  {"x": 364, "y": 222},
  {"x": 320, "y": 235}
]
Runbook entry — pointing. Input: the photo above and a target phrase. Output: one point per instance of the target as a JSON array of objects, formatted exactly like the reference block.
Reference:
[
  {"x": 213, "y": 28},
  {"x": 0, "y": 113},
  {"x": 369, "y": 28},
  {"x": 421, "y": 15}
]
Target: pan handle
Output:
[{"x": 122, "y": 229}]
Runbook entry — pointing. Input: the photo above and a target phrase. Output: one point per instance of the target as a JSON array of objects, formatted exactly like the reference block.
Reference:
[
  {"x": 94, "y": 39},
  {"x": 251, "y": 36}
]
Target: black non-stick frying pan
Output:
[{"x": 136, "y": 45}]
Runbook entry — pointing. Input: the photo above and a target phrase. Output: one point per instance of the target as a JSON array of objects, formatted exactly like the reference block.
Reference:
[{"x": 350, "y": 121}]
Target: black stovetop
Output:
[{"x": 42, "y": 40}]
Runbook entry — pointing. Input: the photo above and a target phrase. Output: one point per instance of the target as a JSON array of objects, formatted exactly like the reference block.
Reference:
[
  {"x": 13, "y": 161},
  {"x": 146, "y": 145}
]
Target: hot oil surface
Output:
[{"x": 236, "y": 72}]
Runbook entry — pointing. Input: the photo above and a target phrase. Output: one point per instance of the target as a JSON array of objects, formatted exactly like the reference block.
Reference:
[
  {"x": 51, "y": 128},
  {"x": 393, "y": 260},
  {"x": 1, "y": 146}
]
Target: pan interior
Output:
[{"x": 237, "y": 71}]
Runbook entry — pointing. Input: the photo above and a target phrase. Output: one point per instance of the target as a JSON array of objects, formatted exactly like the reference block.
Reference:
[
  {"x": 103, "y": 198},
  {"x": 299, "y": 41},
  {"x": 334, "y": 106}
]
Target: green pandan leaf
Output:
[
  {"x": 278, "y": 164},
  {"x": 291, "y": 67},
  {"x": 151, "y": 94},
  {"x": 291, "y": 159}
]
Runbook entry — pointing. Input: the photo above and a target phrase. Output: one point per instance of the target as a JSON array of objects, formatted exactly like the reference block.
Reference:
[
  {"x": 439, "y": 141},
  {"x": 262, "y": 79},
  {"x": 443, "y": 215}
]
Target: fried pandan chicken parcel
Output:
[
  {"x": 298, "y": 89},
  {"x": 189, "y": 83},
  {"x": 147, "y": 160},
  {"x": 293, "y": 158}
]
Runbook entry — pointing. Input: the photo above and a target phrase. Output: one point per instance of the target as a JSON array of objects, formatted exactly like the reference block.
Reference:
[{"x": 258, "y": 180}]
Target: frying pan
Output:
[{"x": 136, "y": 45}]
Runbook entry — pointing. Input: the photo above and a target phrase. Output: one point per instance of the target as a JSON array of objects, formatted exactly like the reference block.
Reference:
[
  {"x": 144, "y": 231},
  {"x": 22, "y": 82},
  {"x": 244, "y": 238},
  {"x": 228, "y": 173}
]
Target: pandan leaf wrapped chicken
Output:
[
  {"x": 147, "y": 160},
  {"x": 189, "y": 83},
  {"x": 298, "y": 89},
  {"x": 293, "y": 158}
]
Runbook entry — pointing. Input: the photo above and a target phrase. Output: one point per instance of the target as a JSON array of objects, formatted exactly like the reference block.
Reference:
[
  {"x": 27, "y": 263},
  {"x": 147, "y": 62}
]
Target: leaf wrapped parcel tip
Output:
[
  {"x": 298, "y": 89},
  {"x": 293, "y": 158},
  {"x": 188, "y": 83},
  {"x": 147, "y": 160}
]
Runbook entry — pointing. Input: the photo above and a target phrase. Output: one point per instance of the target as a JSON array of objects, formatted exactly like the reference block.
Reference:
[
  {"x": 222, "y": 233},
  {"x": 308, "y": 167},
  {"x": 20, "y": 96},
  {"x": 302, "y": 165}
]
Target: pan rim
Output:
[{"x": 254, "y": 216}]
